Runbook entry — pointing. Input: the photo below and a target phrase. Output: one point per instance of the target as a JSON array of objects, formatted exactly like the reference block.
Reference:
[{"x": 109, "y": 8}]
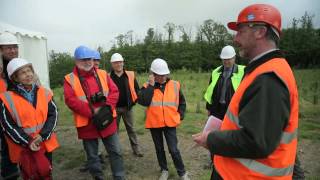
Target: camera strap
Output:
[
  {"x": 87, "y": 96},
  {"x": 98, "y": 81}
]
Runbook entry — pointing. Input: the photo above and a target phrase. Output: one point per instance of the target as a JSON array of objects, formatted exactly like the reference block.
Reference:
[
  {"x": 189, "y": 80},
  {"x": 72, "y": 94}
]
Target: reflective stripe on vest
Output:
[
  {"x": 279, "y": 164},
  {"x": 164, "y": 103},
  {"x": 130, "y": 75},
  {"x": 263, "y": 169}
]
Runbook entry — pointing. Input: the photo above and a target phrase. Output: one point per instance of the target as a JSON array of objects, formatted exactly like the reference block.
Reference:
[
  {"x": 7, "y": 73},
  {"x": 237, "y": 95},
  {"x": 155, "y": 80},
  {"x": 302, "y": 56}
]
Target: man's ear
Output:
[{"x": 260, "y": 32}]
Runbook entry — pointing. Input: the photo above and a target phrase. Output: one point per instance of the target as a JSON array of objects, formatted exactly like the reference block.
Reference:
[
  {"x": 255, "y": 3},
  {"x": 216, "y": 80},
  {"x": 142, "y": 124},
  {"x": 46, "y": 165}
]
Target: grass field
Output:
[{"x": 70, "y": 156}]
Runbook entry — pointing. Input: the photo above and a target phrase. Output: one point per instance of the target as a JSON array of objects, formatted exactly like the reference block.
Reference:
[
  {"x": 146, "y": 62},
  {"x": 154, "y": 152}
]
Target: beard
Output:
[{"x": 86, "y": 67}]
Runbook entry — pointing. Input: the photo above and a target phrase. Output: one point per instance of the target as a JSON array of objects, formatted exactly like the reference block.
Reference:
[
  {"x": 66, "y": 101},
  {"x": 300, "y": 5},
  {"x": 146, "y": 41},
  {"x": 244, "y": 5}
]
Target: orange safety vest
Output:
[
  {"x": 74, "y": 81},
  {"x": 3, "y": 85},
  {"x": 28, "y": 117},
  {"x": 163, "y": 110},
  {"x": 279, "y": 164},
  {"x": 130, "y": 75}
]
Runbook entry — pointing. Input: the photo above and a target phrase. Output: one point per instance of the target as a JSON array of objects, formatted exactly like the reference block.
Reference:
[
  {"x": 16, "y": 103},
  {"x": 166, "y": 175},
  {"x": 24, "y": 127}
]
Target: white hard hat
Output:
[
  {"x": 227, "y": 52},
  {"x": 7, "y": 38},
  {"x": 159, "y": 66},
  {"x": 116, "y": 57},
  {"x": 15, "y": 64}
]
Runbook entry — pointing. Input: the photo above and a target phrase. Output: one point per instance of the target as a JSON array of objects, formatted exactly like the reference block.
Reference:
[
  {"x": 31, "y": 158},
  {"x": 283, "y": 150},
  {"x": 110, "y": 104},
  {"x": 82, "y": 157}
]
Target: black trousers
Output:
[{"x": 172, "y": 142}]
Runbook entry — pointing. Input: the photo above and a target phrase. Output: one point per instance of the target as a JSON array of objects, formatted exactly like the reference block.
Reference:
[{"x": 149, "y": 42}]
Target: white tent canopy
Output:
[{"x": 33, "y": 47}]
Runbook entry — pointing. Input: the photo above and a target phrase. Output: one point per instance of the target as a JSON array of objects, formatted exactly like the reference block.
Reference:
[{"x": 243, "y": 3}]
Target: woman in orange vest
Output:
[
  {"x": 258, "y": 137},
  {"x": 29, "y": 117},
  {"x": 166, "y": 107}
]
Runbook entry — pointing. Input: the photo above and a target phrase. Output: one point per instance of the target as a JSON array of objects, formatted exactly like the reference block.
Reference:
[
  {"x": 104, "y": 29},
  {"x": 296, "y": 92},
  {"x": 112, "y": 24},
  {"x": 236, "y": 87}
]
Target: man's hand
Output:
[
  {"x": 201, "y": 139},
  {"x": 35, "y": 143}
]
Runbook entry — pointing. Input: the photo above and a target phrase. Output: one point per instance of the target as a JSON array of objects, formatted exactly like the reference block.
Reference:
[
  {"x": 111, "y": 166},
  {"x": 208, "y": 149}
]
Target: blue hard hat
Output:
[
  {"x": 83, "y": 52},
  {"x": 96, "y": 55}
]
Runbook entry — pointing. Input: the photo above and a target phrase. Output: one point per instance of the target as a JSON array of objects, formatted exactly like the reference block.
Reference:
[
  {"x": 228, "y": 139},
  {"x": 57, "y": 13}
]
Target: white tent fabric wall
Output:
[{"x": 33, "y": 47}]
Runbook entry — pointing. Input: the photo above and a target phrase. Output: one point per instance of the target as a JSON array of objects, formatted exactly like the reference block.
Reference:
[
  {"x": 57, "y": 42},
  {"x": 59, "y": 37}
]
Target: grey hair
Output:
[{"x": 272, "y": 35}]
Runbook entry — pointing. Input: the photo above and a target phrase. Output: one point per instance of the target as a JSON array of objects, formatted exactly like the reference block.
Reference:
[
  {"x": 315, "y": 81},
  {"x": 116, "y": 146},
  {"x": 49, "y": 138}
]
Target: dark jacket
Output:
[
  {"x": 126, "y": 91},
  {"x": 263, "y": 113},
  {"x": 146, "y": 94},
  {"x": 215, "y": 108}
]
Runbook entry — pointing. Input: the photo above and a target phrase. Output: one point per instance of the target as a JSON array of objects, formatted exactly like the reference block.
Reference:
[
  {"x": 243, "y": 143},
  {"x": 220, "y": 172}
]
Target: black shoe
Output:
[{"x": 99, "y": 177}]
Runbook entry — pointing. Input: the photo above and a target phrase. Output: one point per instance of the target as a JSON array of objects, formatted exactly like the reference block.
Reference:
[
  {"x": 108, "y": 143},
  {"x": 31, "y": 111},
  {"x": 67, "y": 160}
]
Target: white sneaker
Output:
[
  {"x": 185, "y": 176},
  {"x": 164, "y": 175}
]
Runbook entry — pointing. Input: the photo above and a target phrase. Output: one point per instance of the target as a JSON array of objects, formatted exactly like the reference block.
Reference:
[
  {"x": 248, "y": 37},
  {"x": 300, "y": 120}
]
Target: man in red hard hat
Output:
[{"x": 258, "y": 136}]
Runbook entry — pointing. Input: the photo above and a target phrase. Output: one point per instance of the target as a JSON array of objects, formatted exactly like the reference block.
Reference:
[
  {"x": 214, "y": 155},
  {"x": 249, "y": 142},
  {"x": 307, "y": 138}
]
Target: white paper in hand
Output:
[{"x": 213, "y": 124}]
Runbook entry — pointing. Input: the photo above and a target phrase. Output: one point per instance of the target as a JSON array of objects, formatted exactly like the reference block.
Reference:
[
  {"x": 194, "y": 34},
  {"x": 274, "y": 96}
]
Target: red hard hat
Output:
[{"x": 259, "y": 13}]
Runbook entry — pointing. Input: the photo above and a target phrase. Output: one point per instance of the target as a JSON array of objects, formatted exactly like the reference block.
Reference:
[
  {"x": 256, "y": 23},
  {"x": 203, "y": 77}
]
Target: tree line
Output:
[{"x": 196, "y": 49}]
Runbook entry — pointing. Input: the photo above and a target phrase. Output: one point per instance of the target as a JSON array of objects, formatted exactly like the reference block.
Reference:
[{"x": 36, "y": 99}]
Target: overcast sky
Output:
[{"x": 70, "y": 23}]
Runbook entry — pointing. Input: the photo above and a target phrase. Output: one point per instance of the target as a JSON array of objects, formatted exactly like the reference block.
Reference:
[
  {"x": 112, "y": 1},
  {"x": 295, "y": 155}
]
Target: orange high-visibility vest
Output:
[
  {"x": 3, "y": 85},
  {"x": 279, "y": 164},
  {"x": 74, "y": 81},
  {"x": 130, "y": 75},
  {"x": 163, "y": 110},
  {"x": 31, "y": 119}
]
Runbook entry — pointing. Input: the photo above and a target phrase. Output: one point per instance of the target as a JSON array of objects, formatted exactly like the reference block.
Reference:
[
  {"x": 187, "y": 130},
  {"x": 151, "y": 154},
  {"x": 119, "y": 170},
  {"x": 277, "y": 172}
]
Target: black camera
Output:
[{"x": 97, "y": 98}]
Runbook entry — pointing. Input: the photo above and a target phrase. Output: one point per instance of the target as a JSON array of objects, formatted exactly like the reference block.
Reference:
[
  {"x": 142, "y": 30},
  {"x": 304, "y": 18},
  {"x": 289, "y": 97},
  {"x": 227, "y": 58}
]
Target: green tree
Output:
[{"x": 60, "y": 64}]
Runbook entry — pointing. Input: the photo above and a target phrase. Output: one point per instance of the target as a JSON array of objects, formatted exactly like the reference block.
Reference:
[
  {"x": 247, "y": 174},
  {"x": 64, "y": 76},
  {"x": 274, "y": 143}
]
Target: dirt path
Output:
[
  {"x": 309, "y": 153},
  {"x": 67, "y": 163},
  {"x": 70, "y": 157}
]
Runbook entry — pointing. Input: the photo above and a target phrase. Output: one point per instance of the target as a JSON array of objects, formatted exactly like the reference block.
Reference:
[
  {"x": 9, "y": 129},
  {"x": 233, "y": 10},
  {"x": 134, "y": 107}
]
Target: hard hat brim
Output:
[
  {"x": 160, "y": 73},
  {"x": 226, "y": 57},
  {"x": 232, "y": 26},
  {"x": 26, "y": 65},
  {"x": 119, "y": 60},
  {"x": 7, "y": 44}
]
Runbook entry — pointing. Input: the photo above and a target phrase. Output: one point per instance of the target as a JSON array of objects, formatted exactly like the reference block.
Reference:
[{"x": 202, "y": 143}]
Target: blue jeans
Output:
[
  {"x": 172, "y": 142},
  {"x": 112, "y": 146},
  {"x": 9, "y": 170}
]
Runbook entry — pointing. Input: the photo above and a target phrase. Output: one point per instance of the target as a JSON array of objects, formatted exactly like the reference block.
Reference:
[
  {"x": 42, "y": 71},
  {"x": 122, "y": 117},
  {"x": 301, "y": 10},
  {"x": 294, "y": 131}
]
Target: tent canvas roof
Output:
[
  {"x": 13, "y": 29},
  {"x": 33, "y": 47}
]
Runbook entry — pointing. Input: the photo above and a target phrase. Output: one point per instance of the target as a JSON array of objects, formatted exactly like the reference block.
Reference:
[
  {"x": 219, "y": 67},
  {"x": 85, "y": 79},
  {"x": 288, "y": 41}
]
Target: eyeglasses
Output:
[
  {"x": 252, "y": 25},
  {"x": 86, "y": 59},
  {"x": 10, "y": 47}
]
